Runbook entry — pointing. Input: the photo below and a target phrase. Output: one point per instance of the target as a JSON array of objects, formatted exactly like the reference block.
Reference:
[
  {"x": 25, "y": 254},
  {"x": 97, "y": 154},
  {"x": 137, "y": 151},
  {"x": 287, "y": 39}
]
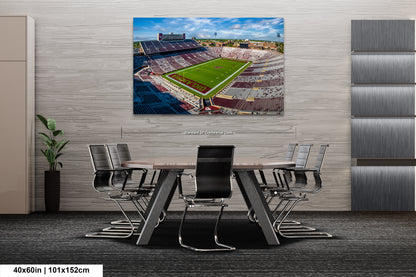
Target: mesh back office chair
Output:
[
  {"x": 123, "y": 152},
  {"x": 285, "y": 175},
  {"x": 118, "y": 154},
  {"x": 282, "y": 176},
  {"x": 289, "y": 156},
  {"x": 213, "y": 184},
  {"x": 300, "y": 174},
  {"x": 106, "y": 179},
  {"x": 290, "y": 151},
  {"x": 124, "y": 155},
  {"x": 301, "y": 186},
  {"x": 266, "y": 187}
]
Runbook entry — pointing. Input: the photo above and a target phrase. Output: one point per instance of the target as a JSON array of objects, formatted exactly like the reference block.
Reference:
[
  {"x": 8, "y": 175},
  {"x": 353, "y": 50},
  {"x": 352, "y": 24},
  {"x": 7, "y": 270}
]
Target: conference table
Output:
[{"x": 171, "y": 167}]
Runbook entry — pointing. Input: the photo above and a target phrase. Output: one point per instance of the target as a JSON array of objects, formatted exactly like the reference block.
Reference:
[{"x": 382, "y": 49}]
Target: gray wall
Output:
[{"x": 84, "y": 81}]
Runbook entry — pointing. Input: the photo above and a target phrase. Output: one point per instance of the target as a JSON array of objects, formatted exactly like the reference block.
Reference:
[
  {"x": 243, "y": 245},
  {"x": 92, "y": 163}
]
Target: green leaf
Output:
[
  {"x": 57, "y": 133},
  {"x": 51, "y": 124},
  {"x": 59, "y": 143},
  {"x": 53, "y": 146},
  {"x": 43, "y": 120},
  {"x": 62, "y": 146},
  {"x": 47, "y": 138},
  {"x": 50, "y": 156},
  {"x": 46, "y": 143}
]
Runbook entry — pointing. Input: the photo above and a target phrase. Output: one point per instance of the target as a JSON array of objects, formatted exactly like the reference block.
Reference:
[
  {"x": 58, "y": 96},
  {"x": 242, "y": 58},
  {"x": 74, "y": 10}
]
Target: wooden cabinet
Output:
[{"x": 17, "y": 111}]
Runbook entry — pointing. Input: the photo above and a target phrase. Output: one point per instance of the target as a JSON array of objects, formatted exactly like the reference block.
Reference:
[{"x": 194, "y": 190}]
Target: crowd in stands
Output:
[
  {"x": 151, "y": 96},
  {"x": 260, "y": 88},
  {"x": 154, "y": 46},
  {"x": 163, "y": 63},
  {"x": 246, "y": 54},
  {"x": 139, "y": 61},
  {"x": 257, "y": 105},
  {"x": 263, "y": 79}
]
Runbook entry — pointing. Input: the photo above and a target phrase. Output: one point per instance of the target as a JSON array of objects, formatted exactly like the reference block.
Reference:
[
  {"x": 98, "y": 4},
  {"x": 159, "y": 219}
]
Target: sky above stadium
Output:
[{"x": 270, "y": 29}]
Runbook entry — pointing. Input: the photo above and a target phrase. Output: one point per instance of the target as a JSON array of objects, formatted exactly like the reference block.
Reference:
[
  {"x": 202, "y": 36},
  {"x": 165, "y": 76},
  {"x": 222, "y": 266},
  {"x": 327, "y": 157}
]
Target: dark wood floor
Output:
[{"x": 364, "y": 244}]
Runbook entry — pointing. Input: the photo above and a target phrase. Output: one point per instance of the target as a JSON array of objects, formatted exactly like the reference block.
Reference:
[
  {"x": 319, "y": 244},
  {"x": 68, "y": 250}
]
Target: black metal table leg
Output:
[
  {"x": 254, "y": 198},
  {"x": 161, "y": 195}
]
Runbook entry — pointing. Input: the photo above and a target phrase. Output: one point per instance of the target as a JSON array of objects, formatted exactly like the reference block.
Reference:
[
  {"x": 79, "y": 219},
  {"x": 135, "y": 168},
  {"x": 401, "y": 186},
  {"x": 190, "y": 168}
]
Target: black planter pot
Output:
[{"x": 52, "y": 190}]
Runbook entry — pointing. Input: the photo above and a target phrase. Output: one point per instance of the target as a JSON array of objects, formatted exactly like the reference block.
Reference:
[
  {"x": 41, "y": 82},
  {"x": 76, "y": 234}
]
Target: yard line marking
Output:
[
  {"x": 198, "y": 92},
  {"x": 195, "y": 66},
  {"x": 230, "y": 76}
]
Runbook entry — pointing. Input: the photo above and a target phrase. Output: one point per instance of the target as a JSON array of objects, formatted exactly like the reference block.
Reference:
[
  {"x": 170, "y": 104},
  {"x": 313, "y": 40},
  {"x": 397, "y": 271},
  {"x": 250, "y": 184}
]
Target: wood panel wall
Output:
[{"x": 84, "y": 81}]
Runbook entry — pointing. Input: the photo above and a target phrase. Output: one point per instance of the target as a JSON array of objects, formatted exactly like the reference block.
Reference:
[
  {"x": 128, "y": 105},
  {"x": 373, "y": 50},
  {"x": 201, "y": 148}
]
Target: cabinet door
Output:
[
  {"x": 13, "y": 171},
  {"x": 12, "y": 38}
]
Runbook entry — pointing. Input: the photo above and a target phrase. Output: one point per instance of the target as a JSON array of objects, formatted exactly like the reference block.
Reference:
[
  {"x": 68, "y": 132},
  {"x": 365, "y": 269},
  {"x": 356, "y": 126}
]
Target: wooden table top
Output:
[{"x": 190, "y": 162}]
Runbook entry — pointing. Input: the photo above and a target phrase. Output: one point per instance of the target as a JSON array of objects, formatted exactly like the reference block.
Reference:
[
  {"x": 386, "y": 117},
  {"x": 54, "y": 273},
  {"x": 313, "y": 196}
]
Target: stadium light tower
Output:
[{"x": 215, "y": 34}]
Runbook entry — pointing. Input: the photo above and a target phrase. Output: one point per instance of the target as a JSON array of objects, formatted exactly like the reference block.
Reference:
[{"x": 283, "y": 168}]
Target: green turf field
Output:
[{"x": 207, "y": 79}]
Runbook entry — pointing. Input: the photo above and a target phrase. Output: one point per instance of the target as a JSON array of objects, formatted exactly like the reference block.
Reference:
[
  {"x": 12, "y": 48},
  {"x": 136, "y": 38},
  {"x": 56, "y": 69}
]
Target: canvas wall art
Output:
[{"x": 208, "y": 65}]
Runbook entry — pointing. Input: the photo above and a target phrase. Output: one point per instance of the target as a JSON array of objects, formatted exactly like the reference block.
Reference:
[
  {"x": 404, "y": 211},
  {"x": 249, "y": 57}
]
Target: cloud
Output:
[
  {"x": 272, "y": 21},
  {"x": 235, "y": 26},
  {"x": 198, "y": 22},
  {"x": 160, "y": 28},
  {"x": 174, "y": 21},
  {"x": 202, "y": 35},
  {"x": 226, "y": 28},
  {"x": 142, "y": 38}
]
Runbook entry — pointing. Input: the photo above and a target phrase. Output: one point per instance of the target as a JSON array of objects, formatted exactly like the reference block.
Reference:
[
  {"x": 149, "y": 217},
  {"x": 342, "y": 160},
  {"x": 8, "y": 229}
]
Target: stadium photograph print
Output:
[{"x": 208, "y": 66}]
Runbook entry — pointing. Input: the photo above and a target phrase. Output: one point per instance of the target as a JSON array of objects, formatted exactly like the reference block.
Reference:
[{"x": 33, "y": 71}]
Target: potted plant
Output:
[{"x": 52, "y": 153}]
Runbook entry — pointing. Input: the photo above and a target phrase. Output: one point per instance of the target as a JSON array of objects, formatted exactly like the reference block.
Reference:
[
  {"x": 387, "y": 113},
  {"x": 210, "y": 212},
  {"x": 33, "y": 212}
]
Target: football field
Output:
[{"x": 207, "y": 79}]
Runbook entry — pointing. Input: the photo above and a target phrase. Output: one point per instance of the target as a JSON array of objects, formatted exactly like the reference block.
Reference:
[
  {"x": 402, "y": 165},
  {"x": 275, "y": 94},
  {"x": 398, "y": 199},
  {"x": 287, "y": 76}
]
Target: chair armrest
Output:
[
  {"x": 187, "y": 174},
  {"x": 294, "y": 169},
  {"x": 131, "y": 168},
  {"x": 191, "y": 176},
  {"x": 109, "y": 170},
  {"x": 281, "y": 168}
]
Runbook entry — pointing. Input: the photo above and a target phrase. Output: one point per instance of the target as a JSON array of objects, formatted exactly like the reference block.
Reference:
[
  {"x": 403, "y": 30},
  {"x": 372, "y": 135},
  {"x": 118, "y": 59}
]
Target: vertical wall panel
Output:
[
  {"x": 383, "y": 188},
  {"x": 382, "y": 35},
  {"x": 383, "y": 100},
  {"x": 383, "y": 78},
  {"x": 383, "y": 68},
  {"x": 383, "y": 138}
]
